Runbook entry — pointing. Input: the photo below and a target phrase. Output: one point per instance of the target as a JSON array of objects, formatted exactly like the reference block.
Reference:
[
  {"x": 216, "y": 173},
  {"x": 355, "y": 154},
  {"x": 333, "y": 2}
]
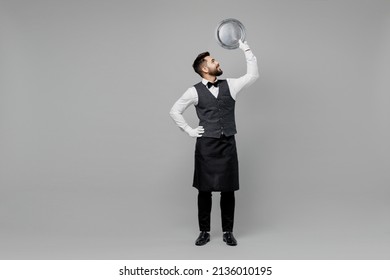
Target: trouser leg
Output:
[
  {"x": 227, "y": 204},
  {"x": 204, "y": 210}
]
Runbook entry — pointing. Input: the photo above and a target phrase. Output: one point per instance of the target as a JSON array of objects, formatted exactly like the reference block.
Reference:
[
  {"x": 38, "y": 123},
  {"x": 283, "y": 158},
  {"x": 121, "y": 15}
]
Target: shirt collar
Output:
[{"x": 204, "y": 81}]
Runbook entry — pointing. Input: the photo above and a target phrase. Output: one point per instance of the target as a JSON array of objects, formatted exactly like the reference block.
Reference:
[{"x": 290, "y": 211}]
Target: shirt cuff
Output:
[
  {"x": 249, "y": 55},
  {"x": 187, "y": 128}
]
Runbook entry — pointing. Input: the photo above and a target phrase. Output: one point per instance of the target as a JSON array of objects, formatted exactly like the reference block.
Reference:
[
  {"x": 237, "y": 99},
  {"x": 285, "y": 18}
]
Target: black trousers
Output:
[{"x": 227, "y": 204}]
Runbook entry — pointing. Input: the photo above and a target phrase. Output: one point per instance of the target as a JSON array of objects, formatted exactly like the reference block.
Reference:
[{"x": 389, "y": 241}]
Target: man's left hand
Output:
[{"x": 243, "y": 45}]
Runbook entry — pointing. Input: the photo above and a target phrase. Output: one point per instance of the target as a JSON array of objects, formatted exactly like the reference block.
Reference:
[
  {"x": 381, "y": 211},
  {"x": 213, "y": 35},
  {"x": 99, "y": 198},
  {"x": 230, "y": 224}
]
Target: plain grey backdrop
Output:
[{"x": 92, "y": 166}]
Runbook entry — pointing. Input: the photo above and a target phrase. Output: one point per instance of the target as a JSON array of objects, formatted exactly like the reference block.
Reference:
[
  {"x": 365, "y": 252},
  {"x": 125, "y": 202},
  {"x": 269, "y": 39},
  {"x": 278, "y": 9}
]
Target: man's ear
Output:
[{"x": 205, "y": 69}]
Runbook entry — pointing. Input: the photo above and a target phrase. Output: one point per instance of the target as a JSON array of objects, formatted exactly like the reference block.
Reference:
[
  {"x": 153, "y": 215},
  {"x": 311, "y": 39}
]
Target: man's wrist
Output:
[{"x": 187, "y": 128}]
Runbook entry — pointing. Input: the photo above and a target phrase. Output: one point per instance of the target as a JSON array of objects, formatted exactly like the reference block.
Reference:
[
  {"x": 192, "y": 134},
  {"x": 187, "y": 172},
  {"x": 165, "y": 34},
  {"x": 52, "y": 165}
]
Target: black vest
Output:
[{"x": 216, "y": 115}]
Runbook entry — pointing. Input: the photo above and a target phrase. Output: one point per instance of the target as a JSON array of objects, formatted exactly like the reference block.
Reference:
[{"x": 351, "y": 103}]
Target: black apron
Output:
[{"x": 216, "y": 164}]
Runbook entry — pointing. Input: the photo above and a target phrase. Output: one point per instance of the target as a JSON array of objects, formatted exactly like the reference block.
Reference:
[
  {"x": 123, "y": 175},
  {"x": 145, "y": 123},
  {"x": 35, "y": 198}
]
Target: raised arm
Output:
[{"x": 252, "y": 72}]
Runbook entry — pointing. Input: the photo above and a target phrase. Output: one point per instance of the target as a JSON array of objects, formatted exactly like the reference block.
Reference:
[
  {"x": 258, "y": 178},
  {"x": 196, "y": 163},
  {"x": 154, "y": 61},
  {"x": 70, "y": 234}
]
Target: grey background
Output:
[{"x": 92, "y": 166}]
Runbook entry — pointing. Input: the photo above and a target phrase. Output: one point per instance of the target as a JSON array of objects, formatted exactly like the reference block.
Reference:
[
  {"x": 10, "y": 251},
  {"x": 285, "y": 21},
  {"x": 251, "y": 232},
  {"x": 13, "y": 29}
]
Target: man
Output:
[{"x": 216, "y": 164}]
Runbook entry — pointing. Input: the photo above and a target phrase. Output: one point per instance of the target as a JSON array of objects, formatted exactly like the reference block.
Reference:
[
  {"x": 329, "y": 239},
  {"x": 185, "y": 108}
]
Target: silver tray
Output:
[{"x": 229, "y": 32}]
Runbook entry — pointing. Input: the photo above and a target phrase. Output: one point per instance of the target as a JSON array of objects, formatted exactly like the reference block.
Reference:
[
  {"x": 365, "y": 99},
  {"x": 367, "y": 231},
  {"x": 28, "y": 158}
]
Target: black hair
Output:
[{"x": 197, "y": 65}]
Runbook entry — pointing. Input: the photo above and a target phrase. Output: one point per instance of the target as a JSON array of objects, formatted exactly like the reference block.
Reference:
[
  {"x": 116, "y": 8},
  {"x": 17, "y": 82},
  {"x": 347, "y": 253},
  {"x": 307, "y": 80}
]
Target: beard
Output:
[{"x": 216, "y": 72}]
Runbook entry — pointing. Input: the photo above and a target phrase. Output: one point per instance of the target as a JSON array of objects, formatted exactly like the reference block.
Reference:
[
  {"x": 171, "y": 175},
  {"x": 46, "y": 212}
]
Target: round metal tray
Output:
[{"x": 229, "y": 32}]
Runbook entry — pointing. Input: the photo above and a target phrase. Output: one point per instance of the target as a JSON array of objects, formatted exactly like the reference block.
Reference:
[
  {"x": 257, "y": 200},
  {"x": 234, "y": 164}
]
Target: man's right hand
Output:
[{"x": 196, "y": 132}]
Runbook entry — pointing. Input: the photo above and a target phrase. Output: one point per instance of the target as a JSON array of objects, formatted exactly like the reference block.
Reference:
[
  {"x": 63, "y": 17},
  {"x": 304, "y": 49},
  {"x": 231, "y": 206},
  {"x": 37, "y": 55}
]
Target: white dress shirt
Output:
[{"x": 190, "y": 96}]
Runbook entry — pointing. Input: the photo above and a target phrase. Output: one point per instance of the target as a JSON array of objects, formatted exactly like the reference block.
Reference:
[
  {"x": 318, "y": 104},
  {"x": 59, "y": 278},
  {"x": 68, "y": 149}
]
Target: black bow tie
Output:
[{"x": 215, "y": 84}]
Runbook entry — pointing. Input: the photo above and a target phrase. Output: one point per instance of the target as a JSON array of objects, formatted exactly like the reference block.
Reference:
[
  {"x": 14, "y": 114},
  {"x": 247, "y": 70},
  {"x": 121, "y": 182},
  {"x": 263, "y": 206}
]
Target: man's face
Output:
[{"x": 213, "y": 66}]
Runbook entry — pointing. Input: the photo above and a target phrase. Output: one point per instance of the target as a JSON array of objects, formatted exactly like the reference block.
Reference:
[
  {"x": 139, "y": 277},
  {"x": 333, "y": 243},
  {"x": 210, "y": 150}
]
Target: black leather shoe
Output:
[
  {"x": 229, "y": 238},
  {"x": 202, "y": 239}
]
